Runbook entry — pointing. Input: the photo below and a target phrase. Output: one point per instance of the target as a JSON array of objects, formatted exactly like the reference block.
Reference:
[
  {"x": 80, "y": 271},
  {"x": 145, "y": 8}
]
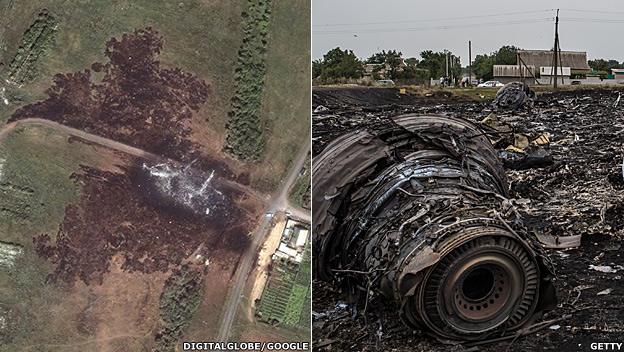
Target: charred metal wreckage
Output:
[{"x": 417, "y": 211}]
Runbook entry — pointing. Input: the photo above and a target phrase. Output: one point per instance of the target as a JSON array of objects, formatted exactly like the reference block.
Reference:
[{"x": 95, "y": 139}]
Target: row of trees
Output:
[
  {"x": 483, "y": 64},
  {"x": 340, "y": 64},
  {"x": 604, "y": 66}
]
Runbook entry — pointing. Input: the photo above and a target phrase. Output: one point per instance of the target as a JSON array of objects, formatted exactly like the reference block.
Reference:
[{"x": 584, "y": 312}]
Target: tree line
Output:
[{"x": 344, "y": 64}]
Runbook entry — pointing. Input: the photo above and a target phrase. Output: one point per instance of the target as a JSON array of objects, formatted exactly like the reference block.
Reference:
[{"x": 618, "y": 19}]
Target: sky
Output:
[{"x": 410, "y": 26}]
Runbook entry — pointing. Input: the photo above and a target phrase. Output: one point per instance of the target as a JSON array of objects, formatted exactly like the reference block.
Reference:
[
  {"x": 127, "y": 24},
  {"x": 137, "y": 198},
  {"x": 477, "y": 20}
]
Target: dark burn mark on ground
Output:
[
  {"x": 137, "y": 102},
  {"x": 114, "y": 217}
]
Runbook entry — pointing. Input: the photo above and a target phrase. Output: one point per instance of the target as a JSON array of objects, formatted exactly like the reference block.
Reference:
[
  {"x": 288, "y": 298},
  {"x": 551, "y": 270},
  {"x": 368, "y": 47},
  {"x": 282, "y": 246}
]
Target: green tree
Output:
[
  {"x": 411, "y": 61},
  {"x": 391, "y": 59},
  {"x": 317, "y": 68},
  {"x": 338, "y": 63},
  {"x": 435, "y": 64},
  {"x": 483, "y": 64},
  {"x": 604, "y": 66},
  {"x": 506, "y": 55}
]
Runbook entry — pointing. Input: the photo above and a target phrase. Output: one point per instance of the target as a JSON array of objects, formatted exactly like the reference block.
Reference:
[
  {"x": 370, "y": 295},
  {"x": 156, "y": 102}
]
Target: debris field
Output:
[{"x": 562, "y": 153}]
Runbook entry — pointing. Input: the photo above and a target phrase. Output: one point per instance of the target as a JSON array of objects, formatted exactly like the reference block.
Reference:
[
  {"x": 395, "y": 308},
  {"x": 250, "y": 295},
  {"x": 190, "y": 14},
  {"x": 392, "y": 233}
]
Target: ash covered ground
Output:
[{"x": 571, "y": 184}]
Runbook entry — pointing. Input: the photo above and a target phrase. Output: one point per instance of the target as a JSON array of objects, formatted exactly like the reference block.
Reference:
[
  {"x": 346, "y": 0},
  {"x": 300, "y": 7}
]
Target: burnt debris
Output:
[
  {"x": 514, "y": 96},
  {"x": 415, "y": 209}
]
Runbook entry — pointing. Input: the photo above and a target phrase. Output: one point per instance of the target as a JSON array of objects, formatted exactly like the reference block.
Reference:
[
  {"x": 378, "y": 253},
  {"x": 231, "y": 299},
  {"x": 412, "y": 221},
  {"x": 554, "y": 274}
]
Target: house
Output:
[{"x": 618, "y": 73}]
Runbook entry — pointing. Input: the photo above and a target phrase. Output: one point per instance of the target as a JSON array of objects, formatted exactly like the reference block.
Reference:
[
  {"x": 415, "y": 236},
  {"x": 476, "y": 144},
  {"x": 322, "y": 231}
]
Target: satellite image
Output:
[{"x": 154, "y": 173}]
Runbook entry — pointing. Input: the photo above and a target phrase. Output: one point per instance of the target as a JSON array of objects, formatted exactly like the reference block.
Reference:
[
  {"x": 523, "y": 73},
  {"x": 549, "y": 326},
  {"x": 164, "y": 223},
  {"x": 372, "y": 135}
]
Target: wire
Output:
[
  {"x": 592, "y": 20},
  {"x": 443, "y": 27},
  {"x": 431, "y": 19},
  {"x": 596, "y": 11}
]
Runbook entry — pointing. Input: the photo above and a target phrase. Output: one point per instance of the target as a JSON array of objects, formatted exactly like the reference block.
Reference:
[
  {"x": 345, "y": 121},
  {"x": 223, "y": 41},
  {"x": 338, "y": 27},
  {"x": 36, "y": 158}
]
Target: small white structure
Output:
[{"x": 302, "y": 238}]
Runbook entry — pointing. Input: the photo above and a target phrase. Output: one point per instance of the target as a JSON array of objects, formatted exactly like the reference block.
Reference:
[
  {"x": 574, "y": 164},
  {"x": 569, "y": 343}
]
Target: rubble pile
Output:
[{"x": 563, "y": 158}]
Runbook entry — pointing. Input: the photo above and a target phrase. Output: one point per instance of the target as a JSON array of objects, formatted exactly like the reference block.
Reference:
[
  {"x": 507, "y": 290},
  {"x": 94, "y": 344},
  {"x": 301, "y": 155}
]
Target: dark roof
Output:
[{"x": 576, "y": 60}]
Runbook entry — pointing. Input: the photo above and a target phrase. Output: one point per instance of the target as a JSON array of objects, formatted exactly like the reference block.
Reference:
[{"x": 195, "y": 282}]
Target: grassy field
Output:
[
  {"x": 200, "y": 36},
  {"x": 34, "y": 189},
  {"x": 286, "y": 96},
  {"x": 34, "y": 181},
  {"x": 207, "y": 44},
  {"x": 300, "y": 192}
]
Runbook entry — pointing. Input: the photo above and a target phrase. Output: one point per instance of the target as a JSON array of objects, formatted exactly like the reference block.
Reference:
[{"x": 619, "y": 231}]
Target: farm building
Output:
[
  {"x": 575, "y": 60},
  {"x": 539, "y": 63},
  {"x": 510, "y": 73}
]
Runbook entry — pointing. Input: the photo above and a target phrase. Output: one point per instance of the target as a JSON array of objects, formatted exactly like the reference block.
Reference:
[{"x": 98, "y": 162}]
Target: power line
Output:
[
  {"x": 592, "y": 20},
  {"x": 442, "y": 27},
  {"x": 595, "y": 11},
  {"x": 433, "y": 19}
]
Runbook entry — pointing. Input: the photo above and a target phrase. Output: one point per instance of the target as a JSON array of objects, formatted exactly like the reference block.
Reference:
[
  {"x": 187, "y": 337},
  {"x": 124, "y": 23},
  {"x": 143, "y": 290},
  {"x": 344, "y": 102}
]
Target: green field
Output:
[
  {"x": 200, "y": 37},
  {"x": 285, "y": 300},
  {"x": 34, "y": 184},
  {"x": 286, "y": 96},
  {"x": 203, "y": 37},
  {"x": 300, "y": 192},
  {"x": 34, "y": 190}
]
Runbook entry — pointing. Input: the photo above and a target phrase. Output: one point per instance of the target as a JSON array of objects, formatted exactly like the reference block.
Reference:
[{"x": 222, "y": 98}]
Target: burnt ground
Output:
[
  {"x": 129, "y": 215},
  {"x": 581, "y": 192},
  {"x": 131, "y": 98}
]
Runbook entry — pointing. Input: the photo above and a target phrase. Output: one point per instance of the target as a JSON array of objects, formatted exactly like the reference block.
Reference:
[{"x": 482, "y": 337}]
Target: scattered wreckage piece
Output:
[
  {"x": 559, "y": 242},
  {"x": 417, "y": 212},
  {"x": 514, "y": 96}
]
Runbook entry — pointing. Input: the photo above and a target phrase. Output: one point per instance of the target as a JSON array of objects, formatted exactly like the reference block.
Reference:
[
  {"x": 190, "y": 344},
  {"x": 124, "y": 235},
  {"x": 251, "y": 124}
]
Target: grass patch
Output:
[
  {"x": 34, "y": 181},
  {"x": 300, "y": 192},
  {"x": 286, "y": 97},
  {"x": 245, "y": 139},
  {"x": 201, "y": 37}
]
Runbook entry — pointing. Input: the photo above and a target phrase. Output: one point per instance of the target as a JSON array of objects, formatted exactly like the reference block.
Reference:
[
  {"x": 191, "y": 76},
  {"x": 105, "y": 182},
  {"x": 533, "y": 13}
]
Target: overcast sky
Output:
[{"x": 368, "y": 26}]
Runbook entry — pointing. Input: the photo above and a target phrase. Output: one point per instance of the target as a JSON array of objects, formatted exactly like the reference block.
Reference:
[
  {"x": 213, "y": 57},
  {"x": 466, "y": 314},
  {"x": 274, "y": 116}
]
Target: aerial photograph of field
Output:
[{"x": 154, "y": 173}]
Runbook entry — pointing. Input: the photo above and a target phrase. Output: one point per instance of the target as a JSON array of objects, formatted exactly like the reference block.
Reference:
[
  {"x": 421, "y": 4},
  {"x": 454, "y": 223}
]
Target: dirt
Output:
[
  {"x": 119, "y": 214},
  {"x": 580, "y": 193}
]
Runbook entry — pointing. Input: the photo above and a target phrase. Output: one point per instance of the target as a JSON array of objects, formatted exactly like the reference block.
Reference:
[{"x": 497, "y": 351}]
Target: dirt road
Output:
[
  {"x": 279, "y": 202},
  {"x": 112, "y": 144}
]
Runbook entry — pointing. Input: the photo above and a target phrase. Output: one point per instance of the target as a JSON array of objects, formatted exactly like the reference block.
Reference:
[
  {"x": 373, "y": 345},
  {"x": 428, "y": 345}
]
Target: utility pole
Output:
[
  {"x": 470, "y": 63},
  {"x": 446, "y": 61},
  {"x": 556, "y": 49}
]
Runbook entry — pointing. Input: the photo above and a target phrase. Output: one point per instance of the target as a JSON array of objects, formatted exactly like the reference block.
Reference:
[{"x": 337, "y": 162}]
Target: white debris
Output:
[
  {"x": 184, "y": 185},
  {"x": 2, "y": 161},
  {"x": 207, "y": 262},
  {"x": 603, "y": 268},
  {"x": 3, "y": 96},
  {"x": 554, "y": 327},
  {"x": 320, "y": 109},
  {"x": 604, "y": 292},
  {"x": 8, "y": 254}
]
